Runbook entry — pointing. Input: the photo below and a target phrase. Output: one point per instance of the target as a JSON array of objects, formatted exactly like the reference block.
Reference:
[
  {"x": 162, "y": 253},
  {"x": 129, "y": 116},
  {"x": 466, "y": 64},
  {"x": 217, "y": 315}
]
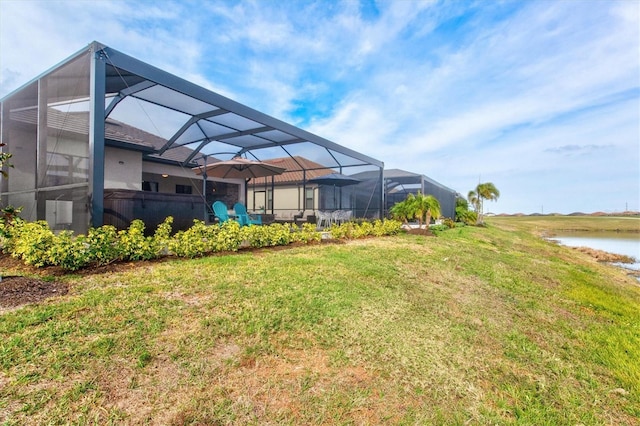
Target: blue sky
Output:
[{"x": 540, "y": 97}]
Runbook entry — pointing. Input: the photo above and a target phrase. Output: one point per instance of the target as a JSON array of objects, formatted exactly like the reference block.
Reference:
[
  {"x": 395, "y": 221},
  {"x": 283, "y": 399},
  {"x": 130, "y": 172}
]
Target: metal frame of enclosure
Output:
[
  {"x": 400, "y": 183},
  {"x": 59, "y": 126}
]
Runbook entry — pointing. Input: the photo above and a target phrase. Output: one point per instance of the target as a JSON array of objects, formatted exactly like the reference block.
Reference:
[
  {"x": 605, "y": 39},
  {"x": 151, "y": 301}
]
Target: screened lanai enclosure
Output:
[
  {"x": 398, "y": 184},
  {"x": 104, "y": 138}
]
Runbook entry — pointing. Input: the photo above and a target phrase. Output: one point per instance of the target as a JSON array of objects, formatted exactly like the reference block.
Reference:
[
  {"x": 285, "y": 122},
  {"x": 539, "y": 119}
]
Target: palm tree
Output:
[
  {"x": 425, "y": 206},
  {"x": 402, "y": 211},
  {"x": 484, "y": 191},
  {"x": 463, "y": 213},
  {"x": 472, "y": 196}
]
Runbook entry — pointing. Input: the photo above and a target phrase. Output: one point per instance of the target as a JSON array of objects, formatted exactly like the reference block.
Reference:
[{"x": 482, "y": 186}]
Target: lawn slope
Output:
[{"x": 481, "y": 325}]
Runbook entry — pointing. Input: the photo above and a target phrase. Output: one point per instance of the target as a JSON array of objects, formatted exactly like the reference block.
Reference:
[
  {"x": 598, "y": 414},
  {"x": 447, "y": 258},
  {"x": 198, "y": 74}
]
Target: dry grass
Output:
[{"x": 477, "y": 325}]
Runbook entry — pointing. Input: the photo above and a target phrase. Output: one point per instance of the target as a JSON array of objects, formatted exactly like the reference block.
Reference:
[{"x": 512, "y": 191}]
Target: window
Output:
[
  {"x": 308, "y": 199},
  {"x": 150, "y": 186},
  {"x": 269, "y": 199},
  {"x": 184, "y": 189}
]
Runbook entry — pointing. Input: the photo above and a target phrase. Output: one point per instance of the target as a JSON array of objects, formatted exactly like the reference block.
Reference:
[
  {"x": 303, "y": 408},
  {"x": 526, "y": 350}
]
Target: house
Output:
[
  {"x": 103, "y": 137},
  {"x": 295, "y": 192}
]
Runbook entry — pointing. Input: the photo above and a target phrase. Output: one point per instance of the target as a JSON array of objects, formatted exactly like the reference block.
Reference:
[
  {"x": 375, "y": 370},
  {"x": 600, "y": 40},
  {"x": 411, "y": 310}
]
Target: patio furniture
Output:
[
  {"x": 245, "y": 218},
  {"x": 221, "y": 211},
  {"x": 324, "y": 219},
  {"x": 336, "y": 217}
]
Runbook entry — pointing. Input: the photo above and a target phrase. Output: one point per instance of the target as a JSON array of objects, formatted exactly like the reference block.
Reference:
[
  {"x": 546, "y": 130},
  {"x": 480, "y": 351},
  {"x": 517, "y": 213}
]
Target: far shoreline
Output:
[{"x": 548, "y": 225}]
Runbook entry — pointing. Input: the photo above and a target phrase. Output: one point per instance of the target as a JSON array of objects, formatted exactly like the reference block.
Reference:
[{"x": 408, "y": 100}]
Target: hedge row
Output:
[{"x": 35, "y": 244}]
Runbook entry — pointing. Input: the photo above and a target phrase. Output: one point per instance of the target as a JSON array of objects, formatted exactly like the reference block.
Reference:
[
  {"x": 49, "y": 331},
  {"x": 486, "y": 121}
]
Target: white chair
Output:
[
  {"x": 341, "y": 216},
  {"x": 336, "y": 217},
  {"x": 324, "y": 219}
]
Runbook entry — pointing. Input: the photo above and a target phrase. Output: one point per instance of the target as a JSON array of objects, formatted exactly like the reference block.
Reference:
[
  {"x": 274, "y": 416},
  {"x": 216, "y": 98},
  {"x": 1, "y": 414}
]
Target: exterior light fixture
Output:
[{"x": 164, "y": 175}]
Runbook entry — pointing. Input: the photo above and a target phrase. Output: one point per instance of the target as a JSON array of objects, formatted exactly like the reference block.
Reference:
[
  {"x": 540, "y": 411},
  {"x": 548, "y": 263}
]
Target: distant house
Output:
[{"x": 105, "y": 138}]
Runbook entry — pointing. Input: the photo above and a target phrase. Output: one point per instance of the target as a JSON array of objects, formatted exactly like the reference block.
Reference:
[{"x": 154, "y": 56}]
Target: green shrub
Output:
[
  {"x": 133, "y": 245},
  {"x": 31, "y": 241},
  {"x": 69, "y": 252},
  {"x": 342, "y": 231},
  {"x": 306, "y": 234},
  {"x": 9, "y": 217},
  {"x": 194, "y": 242},
  {"x": 438, "y": 229},
  {"x": 162, "y": 236},
  {"x": 103, "y": 245},
  {"x": 281, "y": 234},
  {"x": 36, "y": 244},
  {"x": 229, "y": 236},
  {"x": 468, "y": 217},
  {"x": 258, "y": 236},
  {"x": 391, "y": 227},
  {"x": 449, "y": 223},
  {"x": 365, "y": 228}
]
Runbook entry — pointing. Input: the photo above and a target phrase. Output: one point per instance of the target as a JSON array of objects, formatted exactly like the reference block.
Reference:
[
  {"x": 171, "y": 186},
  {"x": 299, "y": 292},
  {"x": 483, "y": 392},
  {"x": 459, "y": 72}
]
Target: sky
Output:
[{"x": 539, "y": 97}]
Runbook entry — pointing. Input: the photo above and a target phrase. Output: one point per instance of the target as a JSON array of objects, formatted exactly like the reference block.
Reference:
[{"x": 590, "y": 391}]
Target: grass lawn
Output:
[{"x": 477, "y": 325}]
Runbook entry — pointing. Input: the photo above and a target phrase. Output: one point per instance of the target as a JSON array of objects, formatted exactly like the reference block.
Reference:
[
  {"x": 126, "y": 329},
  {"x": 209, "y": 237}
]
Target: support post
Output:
[
  {"x": 204, "y": 189},
  {"x": 383, "y": 200},
  {"x": 96, "y": 136},
  {"x": 41, "y": 148}
]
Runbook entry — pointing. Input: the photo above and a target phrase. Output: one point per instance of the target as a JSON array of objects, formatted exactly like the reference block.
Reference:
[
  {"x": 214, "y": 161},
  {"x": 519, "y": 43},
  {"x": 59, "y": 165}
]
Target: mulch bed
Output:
[{"x": 16, "y": 291}]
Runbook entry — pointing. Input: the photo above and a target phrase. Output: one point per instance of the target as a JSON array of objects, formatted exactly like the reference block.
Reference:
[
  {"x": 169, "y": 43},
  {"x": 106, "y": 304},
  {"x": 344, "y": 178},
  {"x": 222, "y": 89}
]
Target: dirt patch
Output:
[
  {"x": 17, "y": 291},
  {"x": 418, "y": 231}
]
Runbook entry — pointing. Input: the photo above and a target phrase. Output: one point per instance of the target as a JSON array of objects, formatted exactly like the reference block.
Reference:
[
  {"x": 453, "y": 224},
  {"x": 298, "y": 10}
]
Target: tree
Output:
[
  {"x": 416, "y": 206},
  {"x": 463, "y": 214},
  {"x": 484, "y": 191},
  {"x": 472, "y": 196},
  {"x": 425, "y": 207},
  {"x": 402, "y": 211}
]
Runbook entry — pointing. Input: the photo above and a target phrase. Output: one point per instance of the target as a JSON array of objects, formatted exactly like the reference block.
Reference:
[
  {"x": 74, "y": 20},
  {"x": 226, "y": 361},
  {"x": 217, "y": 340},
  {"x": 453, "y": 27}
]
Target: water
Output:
[{"x": 625, "y": 243}]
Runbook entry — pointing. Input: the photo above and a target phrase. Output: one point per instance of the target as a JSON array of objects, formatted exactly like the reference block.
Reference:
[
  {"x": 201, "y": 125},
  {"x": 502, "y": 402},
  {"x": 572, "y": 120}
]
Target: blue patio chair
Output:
[
  {"x": 221, "y": 211},
  {"x": 245, "y": 218}
]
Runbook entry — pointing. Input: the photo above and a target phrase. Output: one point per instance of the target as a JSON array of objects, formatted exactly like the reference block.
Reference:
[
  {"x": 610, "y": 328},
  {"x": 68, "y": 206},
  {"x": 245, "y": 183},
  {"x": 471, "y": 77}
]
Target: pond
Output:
[{"x": 625, "y": 243}]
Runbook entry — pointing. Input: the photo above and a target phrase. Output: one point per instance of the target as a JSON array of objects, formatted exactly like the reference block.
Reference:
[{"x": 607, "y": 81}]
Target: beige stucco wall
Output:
[
  {"x": 159, "y": 168},
  {"x": 122, "y": 169},
  {"x": 168, "y": 184},
  {"x": 182, "y": 176},
  {"x": 287, "y": 201}
]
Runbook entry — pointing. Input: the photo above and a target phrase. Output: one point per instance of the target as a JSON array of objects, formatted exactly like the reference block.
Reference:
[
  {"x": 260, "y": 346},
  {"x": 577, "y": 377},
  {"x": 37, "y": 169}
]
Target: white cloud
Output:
[{"x": 450, "y": 89}]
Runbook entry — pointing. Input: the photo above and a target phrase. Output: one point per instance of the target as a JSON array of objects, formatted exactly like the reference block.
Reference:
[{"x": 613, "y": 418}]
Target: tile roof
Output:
[
  {"x": 294, "y": 166},
  {"x": 114, "y": 130}
]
